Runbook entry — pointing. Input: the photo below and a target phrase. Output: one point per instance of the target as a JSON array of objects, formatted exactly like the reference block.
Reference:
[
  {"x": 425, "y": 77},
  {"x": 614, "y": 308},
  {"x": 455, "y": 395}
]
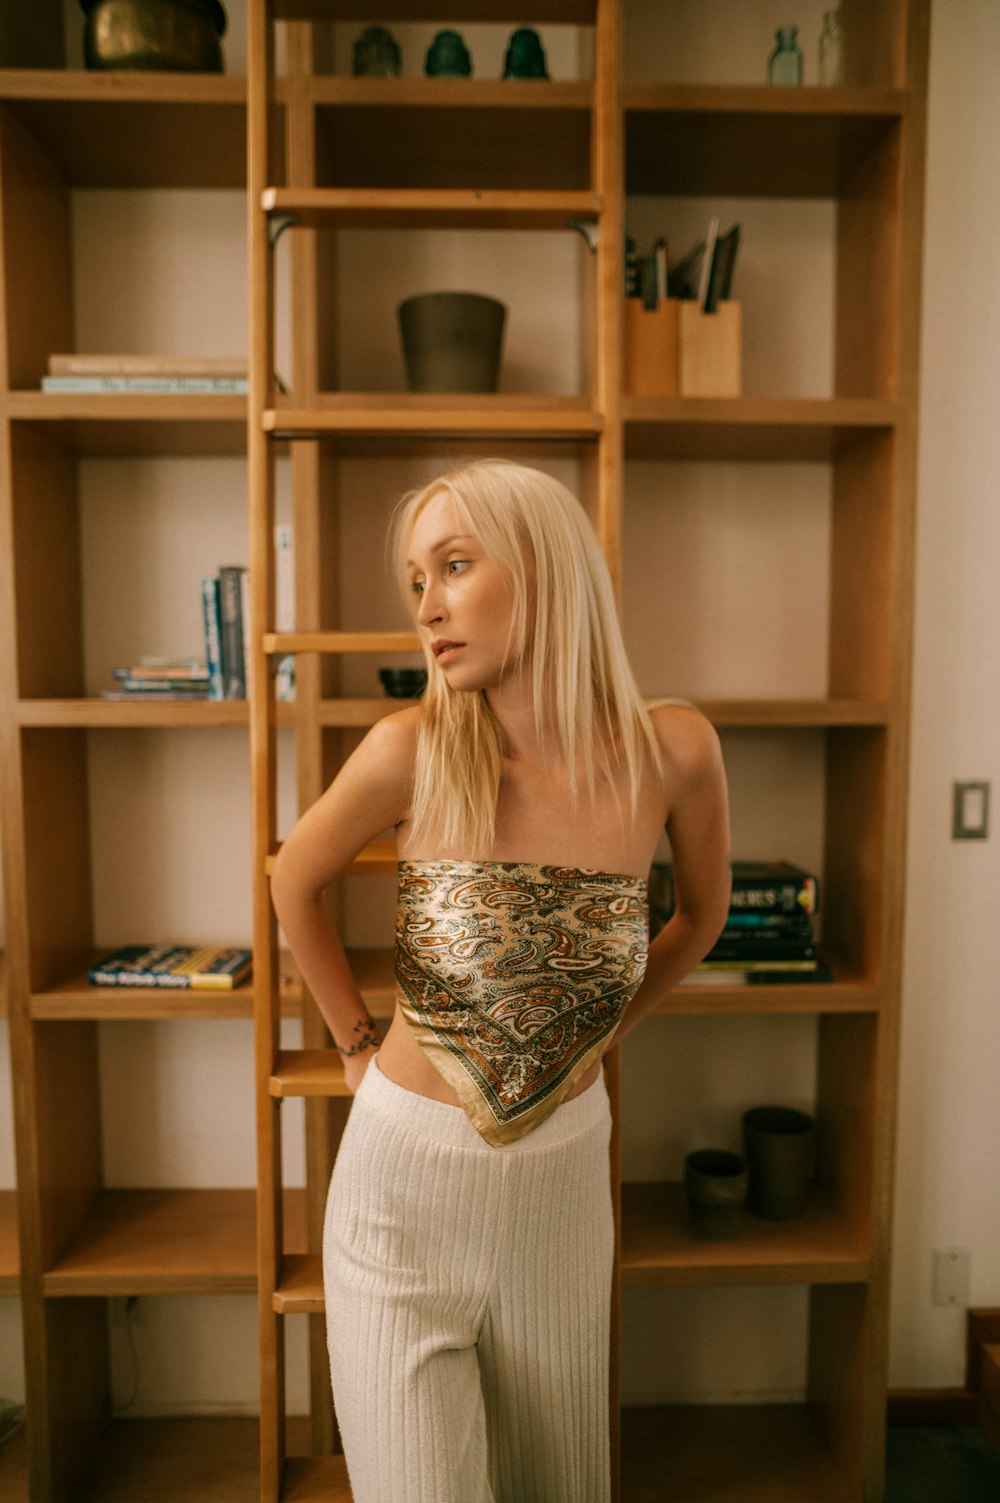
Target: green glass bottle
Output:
[{"x": 784, "y": 66}]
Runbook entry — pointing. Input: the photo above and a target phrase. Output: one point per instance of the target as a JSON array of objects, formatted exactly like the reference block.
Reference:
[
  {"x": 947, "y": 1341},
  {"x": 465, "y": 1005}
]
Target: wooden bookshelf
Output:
[
  {"x": 457, "y": 131},
  {"x": 72, "y": 997},
  {"x": 861, "y": 146},
  {"x": 134, "y": 424},
  {"x": 10, "y": 1255},
  {"x": 804, "y": 430},
  {"x": 658, "y": 1247},
  {"x": 458, "y": 155},
  {"x": 133, "y": 130},
  {"x": 147, "y": 1242},
  {"x": 803, "y": 143},
  {"x": 772, "y": 1454}
]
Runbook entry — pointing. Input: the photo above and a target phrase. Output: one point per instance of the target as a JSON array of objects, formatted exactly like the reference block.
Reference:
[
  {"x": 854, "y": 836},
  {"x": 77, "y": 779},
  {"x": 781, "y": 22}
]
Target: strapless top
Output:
[{"x": 512, "y": 976}]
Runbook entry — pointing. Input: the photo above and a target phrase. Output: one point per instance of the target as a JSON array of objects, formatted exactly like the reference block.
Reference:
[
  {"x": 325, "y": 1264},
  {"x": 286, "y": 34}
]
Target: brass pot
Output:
[{"x": 168, "y": 35}]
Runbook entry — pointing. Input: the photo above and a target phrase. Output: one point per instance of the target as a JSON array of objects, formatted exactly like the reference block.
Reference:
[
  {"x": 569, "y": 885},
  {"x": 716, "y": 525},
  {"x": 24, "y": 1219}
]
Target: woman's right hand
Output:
[{"x": 355, "y": 1066}]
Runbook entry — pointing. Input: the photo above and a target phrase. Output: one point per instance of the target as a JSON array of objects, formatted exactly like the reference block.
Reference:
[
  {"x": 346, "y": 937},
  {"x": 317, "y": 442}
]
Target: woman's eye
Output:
[
  {"x": 456, "y": 565},
  {"x": 417, "y": 586}
]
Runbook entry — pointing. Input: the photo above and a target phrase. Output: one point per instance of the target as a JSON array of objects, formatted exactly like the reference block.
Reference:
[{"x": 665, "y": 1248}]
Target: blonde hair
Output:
[{"x": 564, "y": 620}]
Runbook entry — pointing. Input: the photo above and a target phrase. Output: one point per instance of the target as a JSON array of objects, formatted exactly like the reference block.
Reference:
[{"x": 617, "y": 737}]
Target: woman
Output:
[{"x": 468, "y": 1240}]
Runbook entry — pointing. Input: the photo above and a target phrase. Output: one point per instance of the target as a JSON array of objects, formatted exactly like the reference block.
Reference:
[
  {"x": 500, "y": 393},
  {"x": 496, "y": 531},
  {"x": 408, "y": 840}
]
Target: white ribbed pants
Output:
[{"x": 468, "y": 1295}]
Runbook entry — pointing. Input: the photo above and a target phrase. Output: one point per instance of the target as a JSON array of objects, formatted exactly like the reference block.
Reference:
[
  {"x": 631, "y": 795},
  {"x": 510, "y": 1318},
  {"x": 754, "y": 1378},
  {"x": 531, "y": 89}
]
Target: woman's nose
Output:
[{"x": 431, "y": 607}]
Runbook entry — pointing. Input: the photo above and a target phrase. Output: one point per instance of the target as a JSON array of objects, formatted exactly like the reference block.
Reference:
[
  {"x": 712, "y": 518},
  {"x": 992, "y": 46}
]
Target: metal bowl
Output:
[{"x": 167, "y": 35}]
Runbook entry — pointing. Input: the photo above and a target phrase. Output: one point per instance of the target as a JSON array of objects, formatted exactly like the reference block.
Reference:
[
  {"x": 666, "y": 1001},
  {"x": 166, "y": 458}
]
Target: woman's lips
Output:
[{"x": 447, "y": 650}]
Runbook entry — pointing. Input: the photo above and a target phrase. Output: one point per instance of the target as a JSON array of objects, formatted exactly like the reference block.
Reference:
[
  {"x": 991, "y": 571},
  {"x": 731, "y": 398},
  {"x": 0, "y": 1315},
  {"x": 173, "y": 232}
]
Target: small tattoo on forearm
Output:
[{"x": 369, "y": 1037}]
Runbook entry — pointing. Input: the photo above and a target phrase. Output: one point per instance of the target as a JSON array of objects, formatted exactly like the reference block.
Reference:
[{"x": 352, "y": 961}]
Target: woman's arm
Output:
[
  {"x": 698, "y": 828},
  {"x": 370, "y": 794}
]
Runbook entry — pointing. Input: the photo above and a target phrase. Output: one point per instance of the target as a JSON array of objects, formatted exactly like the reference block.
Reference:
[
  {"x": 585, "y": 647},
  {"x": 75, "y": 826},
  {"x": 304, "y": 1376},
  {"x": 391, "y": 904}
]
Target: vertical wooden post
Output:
[{"x": 263, "y": 745}]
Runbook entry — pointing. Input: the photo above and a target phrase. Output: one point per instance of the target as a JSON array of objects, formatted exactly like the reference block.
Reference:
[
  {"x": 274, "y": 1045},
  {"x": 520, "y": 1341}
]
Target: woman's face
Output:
[{"x": 463, "y": 599}]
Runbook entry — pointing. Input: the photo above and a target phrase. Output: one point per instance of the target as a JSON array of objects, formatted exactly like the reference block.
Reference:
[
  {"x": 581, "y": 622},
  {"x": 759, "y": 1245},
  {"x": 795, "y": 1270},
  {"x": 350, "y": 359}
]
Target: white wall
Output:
[{"x": 949, "y": 1119}]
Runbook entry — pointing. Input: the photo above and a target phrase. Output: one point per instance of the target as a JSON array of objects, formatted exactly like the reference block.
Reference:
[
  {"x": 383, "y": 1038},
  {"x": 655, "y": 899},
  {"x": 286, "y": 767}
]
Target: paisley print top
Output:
[{"x": 513, "y": 976}]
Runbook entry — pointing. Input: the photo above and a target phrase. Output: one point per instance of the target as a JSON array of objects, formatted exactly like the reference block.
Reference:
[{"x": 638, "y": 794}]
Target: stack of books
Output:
[
  {"x": 222, "y": 674},
  {"x": 149, "y": 375},
  {"x": 768, "y": 936},
  {"x": 176, "y": 967},
  {"x": 161, "y": 678}
]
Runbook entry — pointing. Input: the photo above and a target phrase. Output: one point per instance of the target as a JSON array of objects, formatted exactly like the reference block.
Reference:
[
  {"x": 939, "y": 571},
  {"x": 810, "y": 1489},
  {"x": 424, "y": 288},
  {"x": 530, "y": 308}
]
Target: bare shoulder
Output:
[
  {"x": 688, "y": 743},
  {"x": 392, "y": 742}
]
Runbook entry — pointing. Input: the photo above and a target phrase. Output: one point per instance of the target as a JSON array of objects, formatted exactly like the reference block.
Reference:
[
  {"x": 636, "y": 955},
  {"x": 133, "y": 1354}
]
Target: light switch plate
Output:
[{"x": 970, "y": 811}]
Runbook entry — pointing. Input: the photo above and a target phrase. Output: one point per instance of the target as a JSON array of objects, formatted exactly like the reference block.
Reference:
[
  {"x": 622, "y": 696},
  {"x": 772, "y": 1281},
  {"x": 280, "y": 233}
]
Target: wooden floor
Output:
[{"x": 712, "y": 1455}]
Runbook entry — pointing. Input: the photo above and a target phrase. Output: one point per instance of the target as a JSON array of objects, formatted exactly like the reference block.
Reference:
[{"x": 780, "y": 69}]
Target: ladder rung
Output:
[
  {"x": 308, "y": 1072},
  {"x": 281, "y": 643},
  {"x": 300, "y": 1285},
  {"x": 378, "y": 859}
]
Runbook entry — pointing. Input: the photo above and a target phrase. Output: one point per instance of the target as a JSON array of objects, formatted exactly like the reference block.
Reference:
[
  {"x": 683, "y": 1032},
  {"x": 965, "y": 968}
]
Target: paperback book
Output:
[
  {"x": 223, "y": 367},
  {"x": 758, "y": 887},
  {"x": 151, "y": 386},
  {"x": 160, "y": 679},
  {"x": 181, "y": 967}
]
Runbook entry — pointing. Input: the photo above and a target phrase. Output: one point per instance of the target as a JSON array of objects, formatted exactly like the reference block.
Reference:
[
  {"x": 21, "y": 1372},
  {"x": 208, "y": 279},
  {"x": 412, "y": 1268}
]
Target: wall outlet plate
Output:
[{"x": 952, "y": 1277}]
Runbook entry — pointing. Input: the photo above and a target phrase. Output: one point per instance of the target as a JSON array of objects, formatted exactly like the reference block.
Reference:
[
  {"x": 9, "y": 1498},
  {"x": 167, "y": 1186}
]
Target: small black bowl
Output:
[{"x": 403, "y": 683}]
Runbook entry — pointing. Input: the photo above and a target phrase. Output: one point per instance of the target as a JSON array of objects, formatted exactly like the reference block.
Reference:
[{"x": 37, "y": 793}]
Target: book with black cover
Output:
[{"x": 179, "y": 967}]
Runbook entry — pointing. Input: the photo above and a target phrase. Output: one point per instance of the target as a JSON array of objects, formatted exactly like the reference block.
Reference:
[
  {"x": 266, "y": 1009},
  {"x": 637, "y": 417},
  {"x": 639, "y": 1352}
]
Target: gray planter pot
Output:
[
  {"x": 452, "y": 341},
  {"x": 780, "y": 1147}
]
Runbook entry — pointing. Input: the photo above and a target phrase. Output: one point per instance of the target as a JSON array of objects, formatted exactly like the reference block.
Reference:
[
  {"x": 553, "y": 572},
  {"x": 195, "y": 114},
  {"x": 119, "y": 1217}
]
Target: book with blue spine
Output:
[{"x": 213, "y": 637}]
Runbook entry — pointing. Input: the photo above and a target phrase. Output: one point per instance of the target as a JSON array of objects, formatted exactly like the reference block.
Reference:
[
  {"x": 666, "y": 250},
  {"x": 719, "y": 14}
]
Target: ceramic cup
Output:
[
  {"x": 780, "y": 1145},
  {"x": 403, "y": 683},
  {"x": 452, "y": 341},
  {"x": 716, "y": 1185}
]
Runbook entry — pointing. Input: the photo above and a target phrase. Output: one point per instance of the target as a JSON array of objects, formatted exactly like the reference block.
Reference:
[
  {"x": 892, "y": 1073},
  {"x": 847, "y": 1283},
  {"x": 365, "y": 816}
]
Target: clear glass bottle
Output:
[
  {"x": 784, "y": 66},
  {"x": 831, "y": 49}
]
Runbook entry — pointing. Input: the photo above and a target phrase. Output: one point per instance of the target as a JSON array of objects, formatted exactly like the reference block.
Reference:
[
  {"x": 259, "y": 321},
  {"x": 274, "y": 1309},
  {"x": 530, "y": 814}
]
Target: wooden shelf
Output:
[
  {"x": 94, "y": 714},
  {"x": 74, "y": 998},
  {"x": 658, "y": 1247},
  {"x": 178, "y": 1460},
  {"x": 315, "y": 1479},
  {"x": 554, "y": 12},
  {"x": 726, "y": 714},
  {"x": 771, "y": 1453},
  {"x": 422, "y": 416},
  {"x": 147, "y": 1242},
  {"x": 439, "y": 209},
  {"x": 308, "y": 1072},
  {"x": 801, "y": 429},
  {"x": 793, "y": 714},
  {"x": 14, "y": 1468},
  {"x": 132, "y": 423},
  {"x": 10, "y": 1255},
  {"x": 449, "y": 132},
  {"x": 801, "y": 143},
  {"x": 848, "y": 992},
  {"x": 359, "y": 714},
  {"x": 299, "y": 1289},
  {"x": 134, "y": 130}
]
